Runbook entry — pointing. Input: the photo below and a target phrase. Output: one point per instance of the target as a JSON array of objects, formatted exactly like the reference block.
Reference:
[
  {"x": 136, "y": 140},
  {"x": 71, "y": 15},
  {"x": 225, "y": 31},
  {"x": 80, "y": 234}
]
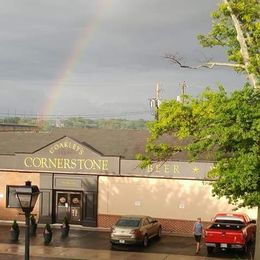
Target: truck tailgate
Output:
[{"x": 224, "y": 236}]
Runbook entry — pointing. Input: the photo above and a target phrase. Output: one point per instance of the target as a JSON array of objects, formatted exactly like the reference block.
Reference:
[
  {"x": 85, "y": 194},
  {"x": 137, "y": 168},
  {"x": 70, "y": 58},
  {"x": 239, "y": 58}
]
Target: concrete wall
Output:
[
  {"x": 161, "y": 198},
  {"x": 15, "y": 178}
]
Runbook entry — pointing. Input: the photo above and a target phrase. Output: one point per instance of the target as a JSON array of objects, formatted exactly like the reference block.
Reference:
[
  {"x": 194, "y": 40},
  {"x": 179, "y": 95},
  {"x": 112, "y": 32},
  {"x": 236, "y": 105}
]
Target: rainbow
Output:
[{"x": 77, "y": 49}]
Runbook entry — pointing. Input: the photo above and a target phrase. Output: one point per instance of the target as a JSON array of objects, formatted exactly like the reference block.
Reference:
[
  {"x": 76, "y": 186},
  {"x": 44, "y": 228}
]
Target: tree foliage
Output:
[
  {"x": 236, "y": 26},
  {"x": 225, "y": 126}
]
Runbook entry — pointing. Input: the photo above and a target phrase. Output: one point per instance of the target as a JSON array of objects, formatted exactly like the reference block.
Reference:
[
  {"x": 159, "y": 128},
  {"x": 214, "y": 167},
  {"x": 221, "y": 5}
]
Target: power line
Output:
[{"x": 99, "y": 115}]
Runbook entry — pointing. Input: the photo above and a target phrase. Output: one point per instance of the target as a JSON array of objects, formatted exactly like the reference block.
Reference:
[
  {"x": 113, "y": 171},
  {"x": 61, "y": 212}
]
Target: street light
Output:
[{"x": 27, "y": 196}]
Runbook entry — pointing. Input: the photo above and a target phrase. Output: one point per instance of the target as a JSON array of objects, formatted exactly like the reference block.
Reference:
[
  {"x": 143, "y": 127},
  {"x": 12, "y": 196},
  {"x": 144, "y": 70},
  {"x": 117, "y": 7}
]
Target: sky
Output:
[{"x": 102, "y": 58}]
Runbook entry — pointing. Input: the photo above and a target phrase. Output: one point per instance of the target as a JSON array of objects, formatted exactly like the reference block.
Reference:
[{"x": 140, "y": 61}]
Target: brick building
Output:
[{"x": 92, "y": 176}]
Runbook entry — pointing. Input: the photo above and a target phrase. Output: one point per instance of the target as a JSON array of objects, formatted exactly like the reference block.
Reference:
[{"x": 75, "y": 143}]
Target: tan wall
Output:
[
  {"x": 161, "y": 198},
  {"x": 15, "y": 178}
]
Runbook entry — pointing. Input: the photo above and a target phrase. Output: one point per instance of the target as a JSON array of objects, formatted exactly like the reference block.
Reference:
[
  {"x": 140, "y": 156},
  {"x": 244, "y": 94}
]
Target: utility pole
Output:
[
  {"x": 183, "y": 87},
  {"x": 155, "y": 102}
]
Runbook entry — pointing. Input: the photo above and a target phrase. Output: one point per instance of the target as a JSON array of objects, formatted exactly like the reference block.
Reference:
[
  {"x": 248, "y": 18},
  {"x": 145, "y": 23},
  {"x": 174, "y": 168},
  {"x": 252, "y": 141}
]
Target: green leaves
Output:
[
  {"x": 225, "y": 127},
  {"x": 224, "y": 33}
]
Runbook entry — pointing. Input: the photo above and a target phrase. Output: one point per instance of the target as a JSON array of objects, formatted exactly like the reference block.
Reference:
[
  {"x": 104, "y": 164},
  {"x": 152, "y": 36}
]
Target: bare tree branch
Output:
[{"x": 209, "y": 64}]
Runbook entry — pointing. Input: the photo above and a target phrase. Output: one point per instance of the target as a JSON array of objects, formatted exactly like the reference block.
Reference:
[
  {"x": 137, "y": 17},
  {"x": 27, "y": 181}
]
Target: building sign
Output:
[
  {"x": 68, "y": 145},
  {"x": 180, "y": 170},
  {"x": 65, "y": 163},
  {"x": 67, "y": 155}
]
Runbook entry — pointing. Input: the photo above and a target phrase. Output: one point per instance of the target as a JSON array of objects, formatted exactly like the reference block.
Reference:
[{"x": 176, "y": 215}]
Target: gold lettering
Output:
[
  {"x": 73, "y": 163},
  {"x": 176, "y": 168},
  {"x": 66, "y": 145},
  {"x": 81, "y": 162},
  {"x": 51, "y": 163},
  {"x": 66, "y": 163},
  {"x": 157, "y": 168},
  {"x": 105, "y": 165},
  {"x": 90, "y": 164},
  {"x": 26, "y": 162},
  {"x": 36, "y": 162},
  {"x": 44, "y": 163},
  {"x": 60, "y": 163},
  {"x": 150, "y": 168},
  {"x": 166, "y": 168},
  {"x": 97, "y": 165}
]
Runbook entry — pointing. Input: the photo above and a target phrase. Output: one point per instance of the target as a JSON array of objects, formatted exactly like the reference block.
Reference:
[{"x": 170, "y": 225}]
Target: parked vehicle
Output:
[
  {"x": 135, "y": 230},
  {"x": 230, "y": 230}
]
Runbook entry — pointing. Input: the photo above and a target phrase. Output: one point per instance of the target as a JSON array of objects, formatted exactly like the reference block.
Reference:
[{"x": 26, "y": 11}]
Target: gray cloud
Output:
[{"x": 120, "y": 62}]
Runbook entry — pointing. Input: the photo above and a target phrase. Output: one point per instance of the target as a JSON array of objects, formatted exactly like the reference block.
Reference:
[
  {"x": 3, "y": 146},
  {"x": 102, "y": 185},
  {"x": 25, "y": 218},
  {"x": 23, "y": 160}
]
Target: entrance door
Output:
[{"x": 69, "y": 204}]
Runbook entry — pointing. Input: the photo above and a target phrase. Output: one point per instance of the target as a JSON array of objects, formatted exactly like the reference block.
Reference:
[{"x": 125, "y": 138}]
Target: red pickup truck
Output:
[{"x": 230, "y": 230}]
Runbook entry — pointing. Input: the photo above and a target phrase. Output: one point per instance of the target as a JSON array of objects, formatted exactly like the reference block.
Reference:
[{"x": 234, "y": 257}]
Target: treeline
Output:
[{"x": 76, "y": 122}]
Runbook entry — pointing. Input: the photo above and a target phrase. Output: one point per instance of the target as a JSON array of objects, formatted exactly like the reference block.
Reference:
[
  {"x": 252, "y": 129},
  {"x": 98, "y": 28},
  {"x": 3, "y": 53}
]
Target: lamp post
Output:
[{"x": 27, "y": 196}]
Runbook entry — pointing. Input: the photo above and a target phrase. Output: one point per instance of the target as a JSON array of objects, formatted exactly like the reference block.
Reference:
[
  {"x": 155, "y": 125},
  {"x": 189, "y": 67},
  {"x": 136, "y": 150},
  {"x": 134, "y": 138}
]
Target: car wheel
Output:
[
  {"x": 145, "y": 241},
  {"x": 159, "y": 234}
]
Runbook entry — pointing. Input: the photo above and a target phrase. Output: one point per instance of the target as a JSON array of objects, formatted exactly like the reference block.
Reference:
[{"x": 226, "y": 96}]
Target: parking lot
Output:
[{"x": 97, "y": 243}]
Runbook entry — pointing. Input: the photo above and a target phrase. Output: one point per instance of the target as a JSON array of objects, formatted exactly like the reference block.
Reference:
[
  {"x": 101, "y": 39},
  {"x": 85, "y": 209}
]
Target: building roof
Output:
[
  {"x": 109, "y": 142},
  {"x": 19, "y": 128}
]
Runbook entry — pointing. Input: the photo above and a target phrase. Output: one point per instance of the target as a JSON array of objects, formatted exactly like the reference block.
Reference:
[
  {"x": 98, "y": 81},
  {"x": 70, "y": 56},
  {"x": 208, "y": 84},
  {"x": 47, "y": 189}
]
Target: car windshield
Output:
[{"x": 128, "y": 222}]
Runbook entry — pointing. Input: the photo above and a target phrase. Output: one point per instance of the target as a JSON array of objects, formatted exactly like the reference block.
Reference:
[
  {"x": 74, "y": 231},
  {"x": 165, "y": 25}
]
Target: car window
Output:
[
  {"x": 151, "y": 220},
  {"x": 128, "y": 222},
  {"x": 145, "y": 222}
]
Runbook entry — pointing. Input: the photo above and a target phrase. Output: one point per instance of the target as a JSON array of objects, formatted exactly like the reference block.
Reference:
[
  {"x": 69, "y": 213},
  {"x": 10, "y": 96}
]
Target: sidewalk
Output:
[{"x": 79, "y": 253}]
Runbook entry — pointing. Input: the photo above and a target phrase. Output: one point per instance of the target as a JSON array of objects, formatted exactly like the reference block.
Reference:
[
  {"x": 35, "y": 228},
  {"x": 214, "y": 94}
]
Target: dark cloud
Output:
[{"x": 120, "y": 62}]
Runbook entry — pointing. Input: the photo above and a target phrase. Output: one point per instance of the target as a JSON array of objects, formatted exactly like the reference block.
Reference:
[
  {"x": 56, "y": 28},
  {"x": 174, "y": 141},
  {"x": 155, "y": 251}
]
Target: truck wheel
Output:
[
  {"x": 210, "y": 250},
  {"x": 245, "y": 249}
]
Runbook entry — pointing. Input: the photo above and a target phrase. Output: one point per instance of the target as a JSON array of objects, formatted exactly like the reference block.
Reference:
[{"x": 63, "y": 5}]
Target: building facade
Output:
[{"x": 91, "y": 176}]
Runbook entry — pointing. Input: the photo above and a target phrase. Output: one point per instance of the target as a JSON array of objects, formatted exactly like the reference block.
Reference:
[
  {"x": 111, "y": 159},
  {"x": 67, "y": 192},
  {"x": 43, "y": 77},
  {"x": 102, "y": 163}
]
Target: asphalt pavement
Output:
[{"x": 94, "y": 244}]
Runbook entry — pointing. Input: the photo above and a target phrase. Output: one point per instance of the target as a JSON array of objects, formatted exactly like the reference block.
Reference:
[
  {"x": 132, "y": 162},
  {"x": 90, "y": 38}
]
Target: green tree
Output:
[
  {"x": 225, "y": 127},
  {"x": 235, "y": 26}
]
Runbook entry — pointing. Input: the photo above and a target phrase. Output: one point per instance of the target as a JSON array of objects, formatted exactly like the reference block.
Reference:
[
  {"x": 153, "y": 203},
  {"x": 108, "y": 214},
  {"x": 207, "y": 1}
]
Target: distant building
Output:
[{"x": 92, "y": 176}]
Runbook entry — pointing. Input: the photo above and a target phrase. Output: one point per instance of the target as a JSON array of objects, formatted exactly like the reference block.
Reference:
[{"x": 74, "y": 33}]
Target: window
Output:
[{"x": 128, "y": 222}]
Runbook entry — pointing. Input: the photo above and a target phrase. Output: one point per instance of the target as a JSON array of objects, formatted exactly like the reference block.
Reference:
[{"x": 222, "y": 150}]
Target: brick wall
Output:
[{"x": 176, "y": 226}]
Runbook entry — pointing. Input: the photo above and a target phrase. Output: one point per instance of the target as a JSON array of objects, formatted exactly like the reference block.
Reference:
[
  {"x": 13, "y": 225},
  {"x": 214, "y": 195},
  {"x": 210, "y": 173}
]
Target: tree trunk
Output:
[
  {"x": 257, "y": 242},
  {"x": 243, "y": 46}
]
